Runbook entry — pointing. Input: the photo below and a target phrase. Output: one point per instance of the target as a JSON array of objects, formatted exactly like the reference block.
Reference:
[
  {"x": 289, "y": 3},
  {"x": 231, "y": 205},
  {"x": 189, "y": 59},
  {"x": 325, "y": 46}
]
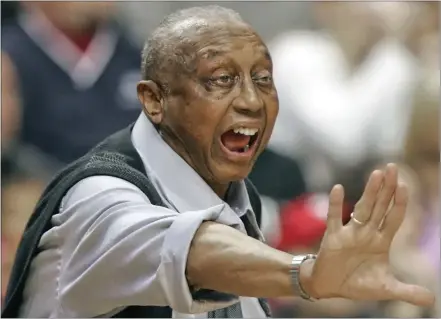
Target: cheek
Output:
[
  {"x": 198, "y": 114},
  {"x": 272, "y": 110},
  {"x": 197, "y": 126}
]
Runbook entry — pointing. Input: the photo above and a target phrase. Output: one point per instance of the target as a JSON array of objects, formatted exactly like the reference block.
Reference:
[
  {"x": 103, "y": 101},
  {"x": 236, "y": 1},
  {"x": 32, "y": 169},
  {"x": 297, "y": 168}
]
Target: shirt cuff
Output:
[{"x": 174, "y": 260}]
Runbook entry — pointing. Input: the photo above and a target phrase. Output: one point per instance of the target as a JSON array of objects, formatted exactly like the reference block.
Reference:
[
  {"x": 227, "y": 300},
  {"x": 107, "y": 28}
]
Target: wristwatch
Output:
[{"x": 295, "y": 270}]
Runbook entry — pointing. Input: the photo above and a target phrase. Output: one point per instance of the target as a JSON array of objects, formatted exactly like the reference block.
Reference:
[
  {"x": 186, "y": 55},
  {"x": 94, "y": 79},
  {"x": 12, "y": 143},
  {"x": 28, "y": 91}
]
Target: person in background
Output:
[
  {"x": 419, "y": 237},
  {"x": 67, "y": 75},
  {"x": 344, "y": 88},
  {"x": 279, "y": 179},
  {"x": 408, "y": 260},
  {"x": 415, "y": 251},
  {"x": 423, "y": 152}
]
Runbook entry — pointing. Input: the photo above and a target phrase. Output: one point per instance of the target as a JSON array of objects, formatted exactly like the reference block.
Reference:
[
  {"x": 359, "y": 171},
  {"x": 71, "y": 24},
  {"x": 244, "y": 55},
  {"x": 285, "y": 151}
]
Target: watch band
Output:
[{"x": 295, "y": 271}]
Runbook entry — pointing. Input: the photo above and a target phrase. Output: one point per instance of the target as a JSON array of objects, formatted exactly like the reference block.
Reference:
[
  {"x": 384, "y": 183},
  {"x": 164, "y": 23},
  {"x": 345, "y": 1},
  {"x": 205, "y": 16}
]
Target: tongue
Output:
[{"x": 235, "y": 142}]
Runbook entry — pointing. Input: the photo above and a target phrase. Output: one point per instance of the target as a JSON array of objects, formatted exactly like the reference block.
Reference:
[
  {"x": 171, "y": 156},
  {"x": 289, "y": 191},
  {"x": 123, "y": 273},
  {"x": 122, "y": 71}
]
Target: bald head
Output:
[{"x": 172, "y": 47}]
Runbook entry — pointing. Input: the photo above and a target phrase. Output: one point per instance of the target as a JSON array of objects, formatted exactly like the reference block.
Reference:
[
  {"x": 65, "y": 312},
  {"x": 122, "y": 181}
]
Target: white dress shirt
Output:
[{"x": 109, "y": 247}]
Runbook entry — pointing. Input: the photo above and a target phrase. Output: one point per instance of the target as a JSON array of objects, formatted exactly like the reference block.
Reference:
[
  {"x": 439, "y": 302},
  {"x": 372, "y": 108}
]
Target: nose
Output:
[{"x": 248, "y": 101}]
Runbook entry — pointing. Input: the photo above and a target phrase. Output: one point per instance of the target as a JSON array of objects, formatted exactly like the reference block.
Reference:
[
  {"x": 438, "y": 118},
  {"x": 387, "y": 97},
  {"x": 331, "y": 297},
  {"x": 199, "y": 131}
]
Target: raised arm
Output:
[
  {"x": 129, "y": 252},
  {"x": 120, "y": 250},
  {"x": 352, "y": 263}
]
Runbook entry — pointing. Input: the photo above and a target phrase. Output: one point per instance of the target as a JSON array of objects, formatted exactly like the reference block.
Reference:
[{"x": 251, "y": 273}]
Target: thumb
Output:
[{"x": 416, "y": 295}]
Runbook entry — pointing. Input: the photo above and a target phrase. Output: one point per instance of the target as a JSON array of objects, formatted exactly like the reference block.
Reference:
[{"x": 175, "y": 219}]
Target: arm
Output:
[
  {"x": 224, "y": 259},
  {"x": 114, "y": 240},
  {"x": 335, "y": 107}
]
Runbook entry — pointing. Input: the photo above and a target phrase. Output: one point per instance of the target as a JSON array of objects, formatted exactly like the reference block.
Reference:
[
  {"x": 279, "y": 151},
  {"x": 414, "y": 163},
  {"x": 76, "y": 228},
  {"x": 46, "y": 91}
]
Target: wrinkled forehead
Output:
[
  {"x": 243, "y": 50},
  {"x": 209, "y": 40},
  {"x": 223, "y": 46},
  {"x": 197, "y": 45}
]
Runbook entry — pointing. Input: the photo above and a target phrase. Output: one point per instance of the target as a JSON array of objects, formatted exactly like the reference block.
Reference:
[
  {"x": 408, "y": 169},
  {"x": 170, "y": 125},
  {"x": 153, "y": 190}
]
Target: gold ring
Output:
[{"x": 356, "y": 220}]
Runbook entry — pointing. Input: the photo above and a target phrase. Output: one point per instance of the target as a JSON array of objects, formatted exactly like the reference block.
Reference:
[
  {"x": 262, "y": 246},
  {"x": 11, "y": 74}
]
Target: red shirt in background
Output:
[{"x": 303, "y": 221}]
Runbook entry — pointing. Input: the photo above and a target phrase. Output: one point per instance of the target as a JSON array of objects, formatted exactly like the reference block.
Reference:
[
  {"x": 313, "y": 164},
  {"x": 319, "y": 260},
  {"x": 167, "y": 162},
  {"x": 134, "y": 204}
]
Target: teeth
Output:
[{"x": 246, "y": 131}]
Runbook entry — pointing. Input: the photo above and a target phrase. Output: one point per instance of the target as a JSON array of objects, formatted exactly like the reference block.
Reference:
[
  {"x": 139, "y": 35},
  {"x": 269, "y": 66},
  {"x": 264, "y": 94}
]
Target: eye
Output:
[
  {"x": 223, "y": 80},
  {"x": 264, "y": 78}
]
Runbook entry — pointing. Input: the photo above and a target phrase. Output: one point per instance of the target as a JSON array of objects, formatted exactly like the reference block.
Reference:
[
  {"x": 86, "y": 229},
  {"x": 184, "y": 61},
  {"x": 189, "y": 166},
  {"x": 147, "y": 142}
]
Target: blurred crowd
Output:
[{"x": 358, "y": 85}]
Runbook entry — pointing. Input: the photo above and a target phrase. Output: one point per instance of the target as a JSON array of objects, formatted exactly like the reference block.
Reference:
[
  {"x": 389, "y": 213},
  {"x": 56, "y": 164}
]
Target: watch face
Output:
[
  {"x": 298, "y": 258},
  {"x": 296, "y": 262}
]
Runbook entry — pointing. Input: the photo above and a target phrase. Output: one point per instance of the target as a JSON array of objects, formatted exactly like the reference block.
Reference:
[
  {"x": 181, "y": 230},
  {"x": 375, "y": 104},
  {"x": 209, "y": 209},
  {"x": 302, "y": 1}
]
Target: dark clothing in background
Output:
[
  {"x": 277, "y": 177},
  {"x": 62, "y": 118},
  {"x": 9, "y": 10}
]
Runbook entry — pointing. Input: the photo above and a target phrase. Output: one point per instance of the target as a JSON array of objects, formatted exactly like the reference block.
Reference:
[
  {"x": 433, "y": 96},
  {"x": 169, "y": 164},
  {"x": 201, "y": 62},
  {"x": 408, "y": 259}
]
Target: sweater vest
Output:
[{"x": 117, "y": 157}]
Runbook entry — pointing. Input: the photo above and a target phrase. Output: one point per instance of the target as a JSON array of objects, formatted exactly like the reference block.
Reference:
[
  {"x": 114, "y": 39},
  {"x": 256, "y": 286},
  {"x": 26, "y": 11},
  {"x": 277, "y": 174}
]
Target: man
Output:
[
  {"x": 99, "y": 245},
  {"x": 86, "y": 66}
]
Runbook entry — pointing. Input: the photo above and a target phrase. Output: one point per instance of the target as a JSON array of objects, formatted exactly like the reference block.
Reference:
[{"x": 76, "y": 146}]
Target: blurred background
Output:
[{"x": 358, "y": 85}]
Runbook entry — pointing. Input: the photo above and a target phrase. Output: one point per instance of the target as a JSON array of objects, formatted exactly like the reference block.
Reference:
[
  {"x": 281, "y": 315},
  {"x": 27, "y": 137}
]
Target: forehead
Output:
[{"x": 243, "y": 44}]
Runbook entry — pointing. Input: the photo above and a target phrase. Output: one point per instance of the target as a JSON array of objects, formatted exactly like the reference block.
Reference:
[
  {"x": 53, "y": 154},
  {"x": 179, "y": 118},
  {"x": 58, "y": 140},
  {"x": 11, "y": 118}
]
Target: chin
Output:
[{"x": 232, "y": 174}]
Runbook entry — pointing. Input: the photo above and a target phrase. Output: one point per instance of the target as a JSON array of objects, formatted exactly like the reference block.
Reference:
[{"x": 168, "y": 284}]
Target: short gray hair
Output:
[{"x": 166, "y": 46}]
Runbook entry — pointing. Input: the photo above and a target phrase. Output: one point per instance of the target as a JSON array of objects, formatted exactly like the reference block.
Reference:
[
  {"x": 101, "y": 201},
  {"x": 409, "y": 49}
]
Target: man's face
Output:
[
  {"x": 76, "y": 16},
  {"x": 221, "y": 114}
]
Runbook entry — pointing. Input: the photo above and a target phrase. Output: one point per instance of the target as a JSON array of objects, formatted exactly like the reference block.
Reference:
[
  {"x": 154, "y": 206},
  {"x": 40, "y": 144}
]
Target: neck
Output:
[
  {"x": 80, "y": 34},
  {"x": 220, "y": 189},
  {"x": 81, "y": 40}
]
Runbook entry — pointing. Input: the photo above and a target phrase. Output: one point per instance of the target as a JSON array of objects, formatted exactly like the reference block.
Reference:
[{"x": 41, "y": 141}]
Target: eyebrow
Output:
[{"x": 210, "y": 53}]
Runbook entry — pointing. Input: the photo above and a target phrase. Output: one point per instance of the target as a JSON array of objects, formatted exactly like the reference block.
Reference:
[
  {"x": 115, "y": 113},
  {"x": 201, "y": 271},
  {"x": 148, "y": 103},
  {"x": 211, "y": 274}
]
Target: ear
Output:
[{"x": 151, "y": 99}]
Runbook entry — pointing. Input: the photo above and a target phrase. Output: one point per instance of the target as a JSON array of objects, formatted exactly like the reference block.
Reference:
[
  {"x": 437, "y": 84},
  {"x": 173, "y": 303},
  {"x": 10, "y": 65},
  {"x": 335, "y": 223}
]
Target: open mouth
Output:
[{"x": 240, "y": 140}]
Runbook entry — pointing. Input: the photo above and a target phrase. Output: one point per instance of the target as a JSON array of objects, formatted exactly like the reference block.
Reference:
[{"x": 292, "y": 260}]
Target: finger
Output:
[
  {"x": 385, "y": 195},
  {"x": 365, "y": 205},
  {"x": 396, "y": 214},
  {"x": 335, "y": 210},
  {"x": 413, "y": 294}
]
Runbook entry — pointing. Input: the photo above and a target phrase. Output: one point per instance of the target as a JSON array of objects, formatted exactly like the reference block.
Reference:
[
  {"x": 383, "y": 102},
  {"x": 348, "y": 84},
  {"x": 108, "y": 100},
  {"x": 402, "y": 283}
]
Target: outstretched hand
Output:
[{"x": 353, "y": 260}]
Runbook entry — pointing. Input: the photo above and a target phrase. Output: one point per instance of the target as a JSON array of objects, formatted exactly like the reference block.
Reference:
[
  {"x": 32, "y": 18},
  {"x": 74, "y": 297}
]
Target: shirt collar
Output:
[{"x": 178, "y": 182}]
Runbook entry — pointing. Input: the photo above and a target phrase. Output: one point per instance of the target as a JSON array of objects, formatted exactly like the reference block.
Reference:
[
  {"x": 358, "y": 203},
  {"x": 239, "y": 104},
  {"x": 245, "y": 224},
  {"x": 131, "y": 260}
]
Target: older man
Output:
[{"x": 160, "y": 221}]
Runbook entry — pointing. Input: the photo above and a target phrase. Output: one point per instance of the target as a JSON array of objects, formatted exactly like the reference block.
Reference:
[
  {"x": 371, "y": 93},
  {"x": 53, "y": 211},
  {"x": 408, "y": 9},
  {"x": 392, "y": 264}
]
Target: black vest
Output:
[{"x": 116, "y": 157}]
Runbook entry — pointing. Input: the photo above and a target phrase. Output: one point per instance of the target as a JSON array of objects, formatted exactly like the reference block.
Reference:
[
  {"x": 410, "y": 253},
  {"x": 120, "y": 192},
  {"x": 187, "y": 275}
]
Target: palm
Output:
[
  {"x": 353, "y": 261},
  {"x": 361, "y": 270}
]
